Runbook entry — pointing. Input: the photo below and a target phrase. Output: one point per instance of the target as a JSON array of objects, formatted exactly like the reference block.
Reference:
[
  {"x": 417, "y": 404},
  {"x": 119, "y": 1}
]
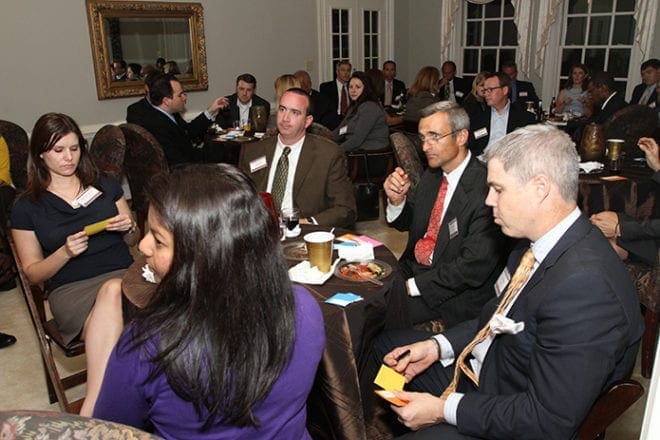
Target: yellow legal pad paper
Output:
[
  {"x": 97, "y": 227},
  {"x": 388, "y": 379}
]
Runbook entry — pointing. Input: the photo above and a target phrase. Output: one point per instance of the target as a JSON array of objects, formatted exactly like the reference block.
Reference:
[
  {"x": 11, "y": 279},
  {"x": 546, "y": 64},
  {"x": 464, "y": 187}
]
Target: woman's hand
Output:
[
  {"x": 76, "y": 244},
  {"x": 120, "y": 223}
]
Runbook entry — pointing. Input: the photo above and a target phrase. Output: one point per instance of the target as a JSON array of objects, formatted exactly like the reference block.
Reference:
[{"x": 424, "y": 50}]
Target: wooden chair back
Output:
[
  {"x": 143, "y": 160},
  {"x": 108, "y": 149},
  {"x": 609, "y": 406},
  {"x": 47, "y": 334}
]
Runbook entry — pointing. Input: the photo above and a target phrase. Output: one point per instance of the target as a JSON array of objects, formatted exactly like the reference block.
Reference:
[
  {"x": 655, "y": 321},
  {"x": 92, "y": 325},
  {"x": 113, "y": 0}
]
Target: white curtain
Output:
[
  {"x": 548, "y": 12},
  {"x": 645, "y": 25},
  {"x": 449, "y": 10},
  {"x": 523, "y": 19}
]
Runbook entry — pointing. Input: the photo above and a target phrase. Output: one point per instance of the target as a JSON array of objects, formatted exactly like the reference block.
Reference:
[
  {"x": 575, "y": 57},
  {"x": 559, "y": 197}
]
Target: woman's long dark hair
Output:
[
  {"x": 47, "y": 131},
  {"x": 224, "y": 313},
  {"x": 368, "y": 93}
]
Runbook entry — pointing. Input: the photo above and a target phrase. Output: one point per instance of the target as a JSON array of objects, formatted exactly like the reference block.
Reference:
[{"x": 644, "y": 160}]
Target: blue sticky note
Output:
[{"x": 342, "y": 299}]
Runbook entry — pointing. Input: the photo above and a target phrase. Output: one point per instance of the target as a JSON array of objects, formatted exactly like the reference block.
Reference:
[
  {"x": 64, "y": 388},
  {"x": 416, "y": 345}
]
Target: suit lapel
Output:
[
  {"x": 305, "y": 163},
  {"x": 260, "y": 177},
  {"x": 577, "y": 230}
]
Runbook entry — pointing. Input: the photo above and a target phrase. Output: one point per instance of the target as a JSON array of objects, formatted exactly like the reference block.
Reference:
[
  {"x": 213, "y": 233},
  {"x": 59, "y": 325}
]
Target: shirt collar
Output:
[
  {"x": 244, "y": 106},
  {"x": 542, "y": 247},
  {"x": 455, "y": 175},
  {"x": 165, "y": 112},
  {"x": 294, "y": 147}
]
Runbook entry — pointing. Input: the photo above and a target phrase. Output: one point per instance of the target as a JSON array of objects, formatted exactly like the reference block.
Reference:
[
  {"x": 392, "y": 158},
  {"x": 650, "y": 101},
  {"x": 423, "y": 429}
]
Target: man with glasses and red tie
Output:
[
  {"x": 454, "y": 251},
  {"x": 565, "y": 324},
  {"x": 503, "y": 118}
]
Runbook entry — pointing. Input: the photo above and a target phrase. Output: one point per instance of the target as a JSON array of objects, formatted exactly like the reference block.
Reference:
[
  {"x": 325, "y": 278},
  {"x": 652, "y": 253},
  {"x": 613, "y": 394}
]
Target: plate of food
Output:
[
  {"x": 363, "y": 271},
  {"x": 295, "y": 251}
]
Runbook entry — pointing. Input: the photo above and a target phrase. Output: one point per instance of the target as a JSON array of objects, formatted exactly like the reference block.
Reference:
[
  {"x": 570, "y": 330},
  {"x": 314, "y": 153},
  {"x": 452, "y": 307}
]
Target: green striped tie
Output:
[{"x": 279, "y": 181}]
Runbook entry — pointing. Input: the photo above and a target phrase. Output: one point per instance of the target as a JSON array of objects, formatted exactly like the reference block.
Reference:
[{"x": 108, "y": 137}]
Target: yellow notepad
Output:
[
  {"x": 97, "y": 227},
  {"x": 389, "y": 380}
]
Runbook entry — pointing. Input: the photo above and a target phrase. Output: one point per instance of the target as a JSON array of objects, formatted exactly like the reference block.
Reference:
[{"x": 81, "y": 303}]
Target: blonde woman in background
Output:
[{"x": 475, "y": 103}]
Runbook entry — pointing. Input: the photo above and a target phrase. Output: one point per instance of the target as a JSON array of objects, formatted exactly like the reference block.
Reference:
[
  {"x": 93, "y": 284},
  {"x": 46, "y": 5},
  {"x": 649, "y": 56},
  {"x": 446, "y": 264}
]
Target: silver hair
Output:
[
  {"x": 536, "y": 149},
  {"x": 458, "y": 117}
]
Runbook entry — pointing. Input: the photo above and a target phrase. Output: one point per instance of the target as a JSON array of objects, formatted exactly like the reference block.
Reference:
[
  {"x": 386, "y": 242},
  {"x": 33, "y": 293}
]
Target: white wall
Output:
[{"x": 47, "y": 64}]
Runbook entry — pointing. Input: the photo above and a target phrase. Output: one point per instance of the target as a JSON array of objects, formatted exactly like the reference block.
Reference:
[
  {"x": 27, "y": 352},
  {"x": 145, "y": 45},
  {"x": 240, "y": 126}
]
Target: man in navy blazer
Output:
[
  {"x": 398, "y": 87},
  {"x": 502, "y": 118},
  {"x": 607, "y": 101},
  {"x": 469, "y": 249},
  {"x": 452, "y": 87},
  {"x": 571, "y": 330},
  {"x": 519, "y": 91},
  {"x": 332, "y": 91},
  {"x": 241, "y": 103},
  {"x": 646, "y": 93},
  {"x": 162, "y": 118}
]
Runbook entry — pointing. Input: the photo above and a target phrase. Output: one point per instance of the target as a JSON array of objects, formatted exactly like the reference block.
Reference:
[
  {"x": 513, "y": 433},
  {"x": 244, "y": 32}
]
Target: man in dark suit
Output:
[
  {"x": 316, "y": 182},
  {"x": 453, "y": 255},
  {"x": 323, "y": 113},
  {"x": 241, "y": 102},
  {"x": 606, "y": 99},
  {"x": 567, "y": 322},
  {"x": 118, "y": 70},
  {"x": 393, "y": 88},
  {"x": 163, "y": 119},
  {"x": 646, "y": 92},
  {"x": 452, "y": 87},
  {"x": 519, "y": 91},
  {"x": 333, "y": 91},
  {"x": 136, "y": 112},
  {"x": 502, "y": 118}
]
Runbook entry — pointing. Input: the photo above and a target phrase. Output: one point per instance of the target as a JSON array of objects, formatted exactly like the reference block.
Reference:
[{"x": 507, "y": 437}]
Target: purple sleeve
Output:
[{"x": 121, "y": 398}]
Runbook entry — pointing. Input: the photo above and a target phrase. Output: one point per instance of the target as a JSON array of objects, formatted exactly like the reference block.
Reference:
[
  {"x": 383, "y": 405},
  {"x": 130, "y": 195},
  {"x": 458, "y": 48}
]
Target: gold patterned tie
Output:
[
  {"x": 518, "y": 280},
  {"x": 279, "y": 181}
]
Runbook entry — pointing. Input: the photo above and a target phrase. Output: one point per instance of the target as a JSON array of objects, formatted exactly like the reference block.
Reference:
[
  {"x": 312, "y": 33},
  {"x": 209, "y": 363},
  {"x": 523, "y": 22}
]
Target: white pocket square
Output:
[{"x": 500, "y": 324}]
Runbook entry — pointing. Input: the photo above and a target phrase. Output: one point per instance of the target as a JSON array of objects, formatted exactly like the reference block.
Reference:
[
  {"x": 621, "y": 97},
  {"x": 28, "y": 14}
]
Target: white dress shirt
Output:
[
  {"x": 243, "y": 111},
  {"x": 294, "y": 155},
  {"x": 498, "y": 123}
]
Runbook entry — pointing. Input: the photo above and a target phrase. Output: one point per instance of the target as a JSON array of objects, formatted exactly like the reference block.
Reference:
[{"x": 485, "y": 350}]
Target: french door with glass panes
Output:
[{"x": 356, "y": 30}]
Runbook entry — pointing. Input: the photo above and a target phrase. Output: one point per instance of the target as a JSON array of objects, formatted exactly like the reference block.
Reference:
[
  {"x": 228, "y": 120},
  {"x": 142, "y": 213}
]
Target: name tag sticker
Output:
[
  {"x": 343, "y": 130},
  {"x": 522, "y": 94},
  {"x": 478, "y": 134},
  {"x": 453, "y": 228},
  {"x": 502, "y": 281},
  {"x": 459, "y": 93},
  {"x": 258, "y": 164},
  {"x": 87, "y": 197}
]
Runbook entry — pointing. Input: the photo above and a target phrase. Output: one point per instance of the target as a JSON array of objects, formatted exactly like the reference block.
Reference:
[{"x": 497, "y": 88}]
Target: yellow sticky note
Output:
[
  {"x": 97, "y": 227},
  {"x": 388, "y": 379}
]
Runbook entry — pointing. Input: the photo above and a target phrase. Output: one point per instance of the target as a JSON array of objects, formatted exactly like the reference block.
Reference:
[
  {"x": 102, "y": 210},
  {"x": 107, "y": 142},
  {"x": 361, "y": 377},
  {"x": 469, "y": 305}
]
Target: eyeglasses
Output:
[
  {"x": 490, "y": 89},
  {"x": 433, "y": 138}
]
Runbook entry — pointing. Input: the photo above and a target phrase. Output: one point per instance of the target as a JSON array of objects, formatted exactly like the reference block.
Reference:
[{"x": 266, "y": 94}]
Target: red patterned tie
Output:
[
  {"x": 425, "y": 245},
  {"x": 344, "y": 100}
]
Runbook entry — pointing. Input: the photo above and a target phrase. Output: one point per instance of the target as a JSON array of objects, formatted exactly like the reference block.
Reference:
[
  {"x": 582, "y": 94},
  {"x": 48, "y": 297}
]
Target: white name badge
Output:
[
  {"x": 453, "y": 228},
  {"x": 258, "y": 164},
  {"x": 502, "y": 281},
  {"x": 522, "y": 94},
  {"x": 343, "y": 130},
  {"x": 478, "y": 134},
  {"x": 87, "y": 197},
  {"x": 459, "y": 93}
]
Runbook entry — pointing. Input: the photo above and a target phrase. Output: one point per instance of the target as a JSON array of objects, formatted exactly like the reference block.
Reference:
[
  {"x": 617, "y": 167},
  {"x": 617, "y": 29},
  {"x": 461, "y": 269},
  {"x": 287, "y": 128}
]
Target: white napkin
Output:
[
  {"x": 356, "y": 253},
  {"x": 500, "y": 324},
  {"x": 589, "y": 167},
  {"x": 147, "y": 274},
  {"x": 303, "y": 273}
]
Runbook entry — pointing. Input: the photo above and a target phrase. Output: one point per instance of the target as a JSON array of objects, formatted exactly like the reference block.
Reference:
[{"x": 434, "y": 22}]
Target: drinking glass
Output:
[{"x": 291, "y": 218}]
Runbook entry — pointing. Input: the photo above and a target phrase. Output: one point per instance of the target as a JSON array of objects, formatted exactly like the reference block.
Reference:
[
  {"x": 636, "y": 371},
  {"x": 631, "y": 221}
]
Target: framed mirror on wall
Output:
[{"x": 129, "y": 36}]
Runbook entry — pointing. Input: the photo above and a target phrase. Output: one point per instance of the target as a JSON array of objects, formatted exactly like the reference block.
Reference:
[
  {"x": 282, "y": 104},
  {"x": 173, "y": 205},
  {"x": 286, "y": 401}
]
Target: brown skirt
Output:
[{"x": 72, "y": 302}]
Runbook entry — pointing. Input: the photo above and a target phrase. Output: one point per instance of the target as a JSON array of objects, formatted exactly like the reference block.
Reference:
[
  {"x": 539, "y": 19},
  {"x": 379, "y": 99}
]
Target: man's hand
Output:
[
  {"x": 422, "y": 355},
  {"x": 607, "y": 222},
  {"x": 422, "y": 410},
  {"x": 396, "y": 186},
  {"x": 650, "y": 147},
  {"x": 217, "y": 104}
]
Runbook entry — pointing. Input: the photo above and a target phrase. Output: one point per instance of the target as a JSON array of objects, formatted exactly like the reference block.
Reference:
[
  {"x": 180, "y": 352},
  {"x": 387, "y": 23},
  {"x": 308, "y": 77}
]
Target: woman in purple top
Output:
[{"x": 226, "y": 348}]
